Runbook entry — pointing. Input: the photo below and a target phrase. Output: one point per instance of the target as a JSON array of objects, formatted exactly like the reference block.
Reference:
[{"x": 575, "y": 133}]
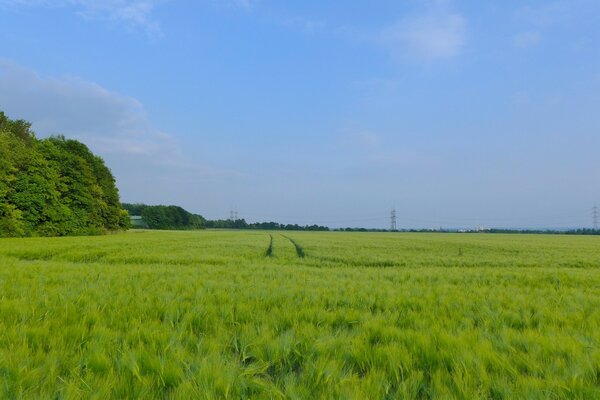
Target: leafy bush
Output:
[
  {"x": 53, "y": 186},
  {"x": 166, "y": 217}
]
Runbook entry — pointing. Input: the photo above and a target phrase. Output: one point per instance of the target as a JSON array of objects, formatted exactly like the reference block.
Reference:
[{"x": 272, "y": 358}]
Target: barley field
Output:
[{"x": 300, "y": 315}]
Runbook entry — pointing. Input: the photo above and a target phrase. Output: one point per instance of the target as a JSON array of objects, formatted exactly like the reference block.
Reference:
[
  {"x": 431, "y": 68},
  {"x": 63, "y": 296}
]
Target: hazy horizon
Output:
[{"x": 458, "y": 114}]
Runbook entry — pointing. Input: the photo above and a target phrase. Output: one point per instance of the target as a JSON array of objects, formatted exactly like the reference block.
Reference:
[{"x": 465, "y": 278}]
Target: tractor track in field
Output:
[
  {"x": 269, "y": 252},
  {"x": 299, "y": 250}
]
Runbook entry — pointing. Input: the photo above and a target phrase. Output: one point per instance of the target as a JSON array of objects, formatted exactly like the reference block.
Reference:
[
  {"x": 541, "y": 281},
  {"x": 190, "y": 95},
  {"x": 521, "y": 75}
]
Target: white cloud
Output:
[
  {"x": 134, "y": 14},
  {"x": 432, "y": 36},
  {"x": 149, "y": 164},
  {"x": 108, "y": 121},
  {"x": 234, "y": 4},
  {"x": 247, "y": 4},
  {"x": 378, "y": 151},
  {"x": 306, "y": 25},
  {"x": 546, "y": 15},
  {"x": 527, "y": 39},
  {"x": 364, "y": 139}
]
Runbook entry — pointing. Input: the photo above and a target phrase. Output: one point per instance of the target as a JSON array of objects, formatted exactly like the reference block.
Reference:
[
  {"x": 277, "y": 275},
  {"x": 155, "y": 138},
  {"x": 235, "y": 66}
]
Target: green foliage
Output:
[
  {"x": 11, "y": 222},
  {"x": 166, "y": 217},
  {"x": 54, "y": 186},
  {"x": 134, "y": 209},
  {"x": 242, "y": 224},
  {"x": 215, "y": 315}
]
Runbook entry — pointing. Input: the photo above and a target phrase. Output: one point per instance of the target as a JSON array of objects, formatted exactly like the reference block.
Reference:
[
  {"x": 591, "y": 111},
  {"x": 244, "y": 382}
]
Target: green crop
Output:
[{"x": 225, "y": 314}]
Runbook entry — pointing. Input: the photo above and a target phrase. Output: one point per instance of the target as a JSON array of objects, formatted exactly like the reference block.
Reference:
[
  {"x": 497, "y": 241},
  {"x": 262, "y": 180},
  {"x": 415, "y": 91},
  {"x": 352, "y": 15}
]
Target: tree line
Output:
[
  {"x": 54, "y": 186},
  {"x": 580, "y": 231},
  {"x": 166, "y": 217},
  {"x": 177, "y": 218},
  {"x": 242, "y": 224}
]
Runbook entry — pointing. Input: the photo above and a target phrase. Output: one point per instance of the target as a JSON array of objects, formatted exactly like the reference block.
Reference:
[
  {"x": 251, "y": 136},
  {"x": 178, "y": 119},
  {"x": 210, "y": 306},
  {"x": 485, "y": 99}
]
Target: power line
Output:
[
  {"x": 531, "y": 221},
  {"x": 552, "y": 218},
  {"x": 233, "y": 214},
  {"x": 595, "y": 216}
]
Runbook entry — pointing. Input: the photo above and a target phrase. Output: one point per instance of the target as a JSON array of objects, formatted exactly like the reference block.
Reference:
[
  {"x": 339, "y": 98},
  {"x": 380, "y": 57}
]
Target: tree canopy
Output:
[
  {"x": 242, "y": 224},
  {"x": 166, "y": 217},
  {"x": 174, "y": 217},
  {"x": 54, "y": 186}
]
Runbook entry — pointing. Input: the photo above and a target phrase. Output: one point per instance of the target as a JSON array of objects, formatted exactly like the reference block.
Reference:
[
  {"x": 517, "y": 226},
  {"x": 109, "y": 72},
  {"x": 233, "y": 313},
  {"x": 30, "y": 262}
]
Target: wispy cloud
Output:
[
  {"x": 374, "y": 150},
  {"x": 536, "y": 21},
  {"x": 132, "y": 14},
  {"x": 306, "y": 25},
  {"x": 547, "y": 14},
  {"x": 108, "y": 121},
  {"x": 434, "y": 35},
  {"x": 525, "y": 40},
  {"x": 363, "y": 139},
  {"x": 246, "y": 4},
  {"x": 115, "y": 126},
  {"x": 294, "y": 22}
]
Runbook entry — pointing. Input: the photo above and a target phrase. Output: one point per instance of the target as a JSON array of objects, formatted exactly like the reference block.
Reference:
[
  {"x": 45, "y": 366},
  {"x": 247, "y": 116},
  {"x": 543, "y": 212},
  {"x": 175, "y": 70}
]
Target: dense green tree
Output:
[
  {"x": 242, "y": 224},
  {"x": 166, "y": 217},
  {"x": 11, "y": 219},
  {"x": 53, "y": 186},
  {"x": 134, "y": 209}
]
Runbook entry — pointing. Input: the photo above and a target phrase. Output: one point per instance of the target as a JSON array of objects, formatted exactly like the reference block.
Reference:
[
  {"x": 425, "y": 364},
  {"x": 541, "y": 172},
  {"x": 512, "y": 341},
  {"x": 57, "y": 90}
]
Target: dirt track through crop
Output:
[
  {"x": 269, "y": 252},
  {"x": 299, "y": 250}
]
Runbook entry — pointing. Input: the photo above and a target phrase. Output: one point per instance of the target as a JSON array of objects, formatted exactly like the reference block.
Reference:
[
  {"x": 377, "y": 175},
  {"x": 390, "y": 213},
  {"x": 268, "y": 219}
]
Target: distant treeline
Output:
[
  {"x": 582, "y": 231},
  {"x": 166, "y": 217},
  {"x": 364, "y": 230},
  {"x": 242, "y": 224},
  {"x": 176, "y": 218},
  {"x": 53, "y": 186}
]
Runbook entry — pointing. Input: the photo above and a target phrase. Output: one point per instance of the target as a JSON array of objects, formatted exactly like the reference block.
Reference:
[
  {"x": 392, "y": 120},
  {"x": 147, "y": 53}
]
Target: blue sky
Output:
[{"x": 458, "y": 113}]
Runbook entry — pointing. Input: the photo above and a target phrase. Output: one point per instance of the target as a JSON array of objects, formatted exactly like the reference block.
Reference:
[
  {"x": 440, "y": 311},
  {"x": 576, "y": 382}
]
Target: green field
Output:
[{"x": 269, "y": 315}]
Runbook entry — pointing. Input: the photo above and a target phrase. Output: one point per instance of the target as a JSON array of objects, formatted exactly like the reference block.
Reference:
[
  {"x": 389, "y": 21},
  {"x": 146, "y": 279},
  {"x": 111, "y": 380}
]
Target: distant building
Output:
[{"x": 137, "y": 222}]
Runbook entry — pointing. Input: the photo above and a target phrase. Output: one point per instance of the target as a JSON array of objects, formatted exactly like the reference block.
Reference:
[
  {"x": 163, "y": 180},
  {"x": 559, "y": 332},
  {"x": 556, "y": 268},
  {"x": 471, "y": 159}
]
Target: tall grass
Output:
[{"x": 366, "y": 316}]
